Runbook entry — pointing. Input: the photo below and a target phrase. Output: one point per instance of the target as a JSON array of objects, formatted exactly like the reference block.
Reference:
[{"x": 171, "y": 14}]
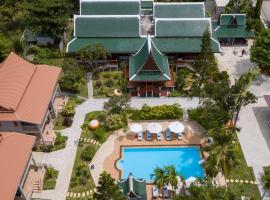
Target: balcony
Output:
[{"x": 48, "y": 134}]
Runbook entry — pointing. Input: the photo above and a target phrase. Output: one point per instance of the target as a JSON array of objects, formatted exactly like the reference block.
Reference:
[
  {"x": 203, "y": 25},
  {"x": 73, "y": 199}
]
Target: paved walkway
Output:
[
  {"x": 63, "y": 159},
  {"x": 89, "y": 85}
]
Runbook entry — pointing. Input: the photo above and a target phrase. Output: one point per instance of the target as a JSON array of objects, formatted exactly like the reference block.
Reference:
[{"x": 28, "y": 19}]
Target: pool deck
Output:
[{"x": 110, "y": 151}]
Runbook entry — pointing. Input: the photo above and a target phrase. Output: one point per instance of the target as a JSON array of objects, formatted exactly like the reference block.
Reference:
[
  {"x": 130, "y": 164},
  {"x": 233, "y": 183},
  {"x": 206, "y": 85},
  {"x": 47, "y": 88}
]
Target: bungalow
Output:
[
  {"x": 20, "y": 174},
  {"x": 30, "y": 98}
]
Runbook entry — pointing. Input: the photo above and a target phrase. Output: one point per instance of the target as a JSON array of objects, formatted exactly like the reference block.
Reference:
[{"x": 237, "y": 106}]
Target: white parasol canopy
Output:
[
  {"x": 136, "y": 128},
  {"x": 176, "y": 127},
  {"x": 189, "y": 181},
  {"x": 154, "y": 127}
]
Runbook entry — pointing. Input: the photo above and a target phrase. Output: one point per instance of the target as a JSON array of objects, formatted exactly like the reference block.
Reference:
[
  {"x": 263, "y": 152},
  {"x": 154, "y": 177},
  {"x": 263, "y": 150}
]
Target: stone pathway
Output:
[
  {"x": 241, "y": 181},
  {"x": 89, "y": 85}
]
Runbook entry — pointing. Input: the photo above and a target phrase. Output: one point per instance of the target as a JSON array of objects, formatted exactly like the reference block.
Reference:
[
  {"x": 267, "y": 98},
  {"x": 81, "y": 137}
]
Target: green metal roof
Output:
[
  {"x": 179, "y": 10},
  {"x": 135, "y": 186},
  {"x": 107, "y": 26},
  {"x": 112, "y": 45},
  {"x": 110, "y": 7},
  {"x": 182, "y": 45},
  {"x": 147, "y": 4},
  {"x": 149, "y": 52},
  {"x": 233, "y": 32},
  {"x": 231, "y": 19},
  {"x": 181, "y": 27}
]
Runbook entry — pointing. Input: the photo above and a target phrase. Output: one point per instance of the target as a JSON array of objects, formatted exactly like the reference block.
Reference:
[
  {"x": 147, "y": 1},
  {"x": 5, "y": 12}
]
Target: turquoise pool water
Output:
[{"x": 142, "y": 161}]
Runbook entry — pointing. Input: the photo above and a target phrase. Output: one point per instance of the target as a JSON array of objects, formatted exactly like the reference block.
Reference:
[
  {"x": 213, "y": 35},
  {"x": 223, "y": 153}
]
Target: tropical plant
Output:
[
  {"x": 107, "y": 189},
  {"x": 68, "y": 110},
  {"x": 115, "y": 121},
  {"x": 225, "y": 150},
  {"x": 117, "y": 104},
  {"x": 90, "y": 53},
  {"x": 266, "y": 181},
  {"x": 88, "y": 153},
  {"x": 171, "y": 175},
  {"x": 260, "y": 50}
]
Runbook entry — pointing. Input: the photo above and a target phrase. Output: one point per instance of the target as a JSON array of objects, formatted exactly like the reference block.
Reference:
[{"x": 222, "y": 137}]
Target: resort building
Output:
[
  {"x": 29, "y": 98},
  {"x": 153, "y": 38},
  {"x": 20, "y": 175},
  {"x": 134, "y": 189}
]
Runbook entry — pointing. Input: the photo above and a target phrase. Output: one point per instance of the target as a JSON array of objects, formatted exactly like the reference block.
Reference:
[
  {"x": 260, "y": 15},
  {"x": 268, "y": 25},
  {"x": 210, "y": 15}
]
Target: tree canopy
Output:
[
  {"x": 48, "y": 17},
  {"x": 260, "y": 50},
  {"x": 107, "y": 189}
]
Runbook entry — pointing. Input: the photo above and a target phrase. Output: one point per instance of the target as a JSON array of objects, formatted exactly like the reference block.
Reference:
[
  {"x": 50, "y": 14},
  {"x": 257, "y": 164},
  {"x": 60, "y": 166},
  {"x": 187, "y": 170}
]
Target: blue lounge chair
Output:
[
  {"x": 148, "y": 135},
  {"x": 155, "y": 192},
  {"x": 140, "y": 136},
  {"x": 168, "y": 134},
  {"x": 159, "y": 136},
  {"x": 166, "y": 192}
]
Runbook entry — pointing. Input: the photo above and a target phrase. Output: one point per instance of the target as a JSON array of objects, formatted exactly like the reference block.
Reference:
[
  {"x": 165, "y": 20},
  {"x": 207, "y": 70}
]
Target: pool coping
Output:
[{"x": 121, "y": 156}]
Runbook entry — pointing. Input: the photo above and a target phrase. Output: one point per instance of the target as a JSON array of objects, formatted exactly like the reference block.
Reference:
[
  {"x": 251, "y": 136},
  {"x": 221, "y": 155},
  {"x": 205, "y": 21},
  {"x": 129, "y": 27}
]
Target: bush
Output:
[
  {"x": 68, "y": 111},
  {"x": 88, "y": 153},
  {"x": 50, "y": 178},
  {"x": 157, "y": 112},
  {"x": 100, "y": 134},
  {"x": 115, "y": 121}
]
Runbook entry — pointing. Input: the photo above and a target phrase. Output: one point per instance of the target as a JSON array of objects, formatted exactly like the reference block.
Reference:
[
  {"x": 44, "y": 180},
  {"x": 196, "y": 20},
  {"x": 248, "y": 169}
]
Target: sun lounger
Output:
[
  {"x": 159, "y": 136},
  {"x": 168, "y": 134},
  {"x": 166, "y": 192},
  {"x": 148, "y": 135},
  {"x": 180, "y": 136},
  {"x": 155, "y": 192},
  {"x": 140, "y": 136}
]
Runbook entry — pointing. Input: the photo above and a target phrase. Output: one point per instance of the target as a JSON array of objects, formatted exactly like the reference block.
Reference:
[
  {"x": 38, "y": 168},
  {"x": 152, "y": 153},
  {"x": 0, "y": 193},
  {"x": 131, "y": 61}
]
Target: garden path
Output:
[
  {"x": 63, "y": 159},
  {"x": 89, "y": 85}
]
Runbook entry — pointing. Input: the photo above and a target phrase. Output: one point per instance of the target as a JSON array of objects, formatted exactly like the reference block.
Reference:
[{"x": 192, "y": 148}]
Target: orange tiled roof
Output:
[
  {"x": 26, "y": 89},
  {"x": 15, "y": 151}
]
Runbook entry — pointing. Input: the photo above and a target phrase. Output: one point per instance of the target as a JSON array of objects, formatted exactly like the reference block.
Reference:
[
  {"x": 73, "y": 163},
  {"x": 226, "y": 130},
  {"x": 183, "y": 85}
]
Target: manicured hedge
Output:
[{"x": 157, "y": 112}]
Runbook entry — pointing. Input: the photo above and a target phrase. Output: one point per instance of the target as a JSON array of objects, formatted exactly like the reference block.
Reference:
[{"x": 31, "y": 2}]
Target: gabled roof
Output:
[
  {"x": 193, "y": 27},
  {"x": 26, "y": 89},
  {"x": 147, "y": 56},
  {"x": 15, "y": 152},
  {"x": 179, "y": 10},
  {"x": 107, "y": 26},
  {"x": 110, "y": 7},
  {"x": 112, "y": 45},
  {"x": 231, "y": 26},
  {"x": 133, "y": 187},
  {"x": 232, "y": 19},
  {"x": 183, "y": 45}
]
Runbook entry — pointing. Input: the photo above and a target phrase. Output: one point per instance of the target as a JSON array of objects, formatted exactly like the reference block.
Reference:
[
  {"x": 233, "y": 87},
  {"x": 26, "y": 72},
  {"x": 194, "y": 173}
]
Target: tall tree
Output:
[
  {"x": 260, "y": 50},
  {"x": 48, "y": 17},
  {"x": 257, "y": 10},
  {"x": 90, "y": 53},
  {"x": 205, "y": 63},
  {"x": 8, "y": 9},
  {"x": 107, "y": 189},
  {"x": 117, "y": 104}
]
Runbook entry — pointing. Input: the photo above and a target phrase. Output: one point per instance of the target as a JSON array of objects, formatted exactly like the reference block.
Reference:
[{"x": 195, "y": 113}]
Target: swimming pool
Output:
[{"x": 142, "y": 161}]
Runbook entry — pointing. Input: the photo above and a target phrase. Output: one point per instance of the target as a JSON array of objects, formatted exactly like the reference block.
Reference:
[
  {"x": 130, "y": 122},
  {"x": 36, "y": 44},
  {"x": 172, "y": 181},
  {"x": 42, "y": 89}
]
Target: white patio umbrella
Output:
[
  {"x": 154, "y": 127},
  {"x": 176, "y": 127},
  {"x": 189, "y": 181},
  {"x": 135, "y": 128}
]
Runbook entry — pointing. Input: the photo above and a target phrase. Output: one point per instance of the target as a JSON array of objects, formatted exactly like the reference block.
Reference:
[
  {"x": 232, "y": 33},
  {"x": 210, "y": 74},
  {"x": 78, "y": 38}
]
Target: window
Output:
[{"x": 15, "y": 124}]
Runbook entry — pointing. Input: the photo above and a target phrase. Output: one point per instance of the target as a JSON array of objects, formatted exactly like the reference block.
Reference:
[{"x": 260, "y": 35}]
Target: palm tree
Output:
[
  {"x": 225, "y": 148},
  {"x": 160, "y": 177},
  {"x": 171, "y": 176},
  {"x": 266, "y": 184}
]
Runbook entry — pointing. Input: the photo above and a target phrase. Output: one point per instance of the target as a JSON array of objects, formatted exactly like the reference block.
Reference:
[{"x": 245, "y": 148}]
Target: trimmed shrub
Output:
[
  {"x": 100, "y": 134},
  {"x": 157, "y": 112},
  {"x": 88, "y": 153}
]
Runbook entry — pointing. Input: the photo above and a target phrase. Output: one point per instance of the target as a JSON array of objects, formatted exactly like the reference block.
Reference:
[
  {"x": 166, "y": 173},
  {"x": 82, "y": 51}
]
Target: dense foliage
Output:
[
  {"x": 156, "y": 112},
  {"x": 50, "y": 178},
  {"x": 107, "y": 189},
  {"x": 207, "y": 191},
  {"x": 260, "y": 50},
  {"x": 48, "y": 17},
  {"x": 80, "y": 176},
  {"x": 88, "y": 153},
  {"x": 5, "y": 46}
]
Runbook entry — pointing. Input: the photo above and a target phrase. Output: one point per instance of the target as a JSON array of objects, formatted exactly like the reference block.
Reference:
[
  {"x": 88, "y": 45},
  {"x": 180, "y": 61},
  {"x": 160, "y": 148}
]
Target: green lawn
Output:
[
  {"x": 104, "y": 83},
  {"x": 50, "y": 179},
  {"x": 243, "y": 172}
]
